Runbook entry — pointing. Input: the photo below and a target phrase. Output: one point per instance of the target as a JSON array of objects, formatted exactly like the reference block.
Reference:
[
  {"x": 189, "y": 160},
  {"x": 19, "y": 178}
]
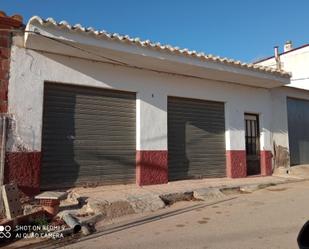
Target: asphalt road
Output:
[{"x": 269, "y": 218}]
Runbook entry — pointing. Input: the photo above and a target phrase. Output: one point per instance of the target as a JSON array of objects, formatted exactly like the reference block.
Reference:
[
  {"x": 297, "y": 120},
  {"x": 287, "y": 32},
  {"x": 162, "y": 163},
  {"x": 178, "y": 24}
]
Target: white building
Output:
[
  {"x": 294, "y": 60},
  {"x": 295, "y": 97},
  {"x": 90, "y": 107}
]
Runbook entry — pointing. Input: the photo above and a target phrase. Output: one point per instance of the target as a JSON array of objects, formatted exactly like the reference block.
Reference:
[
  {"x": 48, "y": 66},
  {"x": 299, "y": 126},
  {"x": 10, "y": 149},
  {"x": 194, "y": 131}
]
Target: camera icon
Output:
[{"x": 5, "y": 232}]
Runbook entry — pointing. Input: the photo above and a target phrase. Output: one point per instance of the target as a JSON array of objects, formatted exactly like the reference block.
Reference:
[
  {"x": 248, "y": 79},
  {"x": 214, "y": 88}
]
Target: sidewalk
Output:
[
  {"x": 122, "y": 206},
  {"x": 119, "y": 200}
]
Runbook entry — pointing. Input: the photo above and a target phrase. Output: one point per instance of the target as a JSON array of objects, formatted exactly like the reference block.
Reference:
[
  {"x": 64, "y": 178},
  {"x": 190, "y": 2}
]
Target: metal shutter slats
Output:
[
  {"x": 196, "y": 138},
  {"x": 88, "y": 136},
  {"x": 298, "y": 124}
]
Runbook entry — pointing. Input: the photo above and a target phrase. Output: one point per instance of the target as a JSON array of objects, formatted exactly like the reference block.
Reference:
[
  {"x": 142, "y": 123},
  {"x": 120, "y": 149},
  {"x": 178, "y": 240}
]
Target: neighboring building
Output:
[
  {"x": 294, "y": 60},
  {"x": 295, "y": 97},
  {"x": 89, "y": 107}
]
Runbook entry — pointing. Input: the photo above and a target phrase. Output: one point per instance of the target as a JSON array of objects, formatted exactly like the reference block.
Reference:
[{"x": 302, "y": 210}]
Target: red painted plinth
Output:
[
  {"x": 236, "y": 166},
  {"x": 266, "y": 163},
  {"x": 151, "y": 167}
]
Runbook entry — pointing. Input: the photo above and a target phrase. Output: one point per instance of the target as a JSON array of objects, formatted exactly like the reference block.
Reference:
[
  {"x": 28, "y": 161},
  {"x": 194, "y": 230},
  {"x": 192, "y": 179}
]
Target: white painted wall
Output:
[
  {"x": 279, "y": 110},
  {"x": 296, "y": 62},
  {"x": 29, "y": 70}
]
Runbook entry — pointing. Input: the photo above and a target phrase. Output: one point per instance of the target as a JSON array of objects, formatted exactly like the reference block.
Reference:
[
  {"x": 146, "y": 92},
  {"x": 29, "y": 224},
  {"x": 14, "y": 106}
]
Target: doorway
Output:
[
  {"x": 196, "y": 139},
  {"x": 252, "y": 144}
]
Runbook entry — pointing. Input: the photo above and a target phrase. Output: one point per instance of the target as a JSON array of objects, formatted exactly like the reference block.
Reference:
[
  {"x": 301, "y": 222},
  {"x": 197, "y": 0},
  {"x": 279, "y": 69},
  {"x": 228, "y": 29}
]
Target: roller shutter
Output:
[
  {"x": 298, "y": 126},
  {"x": 88, "y": 136},
  {"x": 196, "y": 138}
]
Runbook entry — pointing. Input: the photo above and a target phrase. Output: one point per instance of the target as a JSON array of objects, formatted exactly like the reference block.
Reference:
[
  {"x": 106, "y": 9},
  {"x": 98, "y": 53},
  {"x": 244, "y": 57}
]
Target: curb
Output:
[
  {"x": 208, "y": 195},
  {"x": 136, "y": 204}
]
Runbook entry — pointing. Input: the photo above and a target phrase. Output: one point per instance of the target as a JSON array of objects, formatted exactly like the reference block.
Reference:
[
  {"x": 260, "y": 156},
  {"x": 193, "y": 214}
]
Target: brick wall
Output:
[
  {"x": 22, "y": 168},
  {"x": 7, "y": 25}
]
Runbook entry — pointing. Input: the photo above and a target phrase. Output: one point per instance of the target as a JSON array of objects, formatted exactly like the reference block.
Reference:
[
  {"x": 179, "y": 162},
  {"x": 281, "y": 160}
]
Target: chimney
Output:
[
  {"x": 288, "y": 46},
  {"x": 277, "y": 57}
]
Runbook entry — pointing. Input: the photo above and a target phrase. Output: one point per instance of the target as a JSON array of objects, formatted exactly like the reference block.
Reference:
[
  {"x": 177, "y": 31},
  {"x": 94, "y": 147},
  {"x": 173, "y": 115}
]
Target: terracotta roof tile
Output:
[
  {"x": 16, "y": 17},
  {"x": 156, "y": 45}
]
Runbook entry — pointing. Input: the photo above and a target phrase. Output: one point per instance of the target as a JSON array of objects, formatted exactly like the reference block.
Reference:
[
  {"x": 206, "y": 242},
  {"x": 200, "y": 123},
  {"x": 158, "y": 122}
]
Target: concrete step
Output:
[
  {"x": 209, "y": 194},
  {"x": 297, "y": 171}
]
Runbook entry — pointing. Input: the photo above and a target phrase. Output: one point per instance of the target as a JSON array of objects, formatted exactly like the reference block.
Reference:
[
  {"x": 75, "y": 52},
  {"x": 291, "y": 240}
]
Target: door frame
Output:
[{"x": 252, "y": 143}]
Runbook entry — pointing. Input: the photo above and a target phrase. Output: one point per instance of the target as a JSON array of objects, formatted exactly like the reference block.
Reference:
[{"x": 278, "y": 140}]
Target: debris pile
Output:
[{"x": 49, "y": 215}]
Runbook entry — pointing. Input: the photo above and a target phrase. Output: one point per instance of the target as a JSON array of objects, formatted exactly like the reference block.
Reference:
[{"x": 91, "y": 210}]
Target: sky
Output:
[{"x": 245, "y": 30}]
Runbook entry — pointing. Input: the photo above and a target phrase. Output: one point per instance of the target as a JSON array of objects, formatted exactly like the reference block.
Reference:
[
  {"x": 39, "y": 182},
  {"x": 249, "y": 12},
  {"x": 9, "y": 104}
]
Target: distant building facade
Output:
[{"x": 295, "y": 97}]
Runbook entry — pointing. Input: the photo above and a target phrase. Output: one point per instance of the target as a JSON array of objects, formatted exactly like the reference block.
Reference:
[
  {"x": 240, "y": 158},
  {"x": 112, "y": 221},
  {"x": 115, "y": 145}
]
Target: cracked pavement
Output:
[{"x": 268, "y": 218}]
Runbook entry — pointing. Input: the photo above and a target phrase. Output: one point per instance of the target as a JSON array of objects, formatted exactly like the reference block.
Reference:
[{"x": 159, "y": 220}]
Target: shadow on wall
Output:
[
  {"x": 83, "y": 143},
  {"x": 196, "y": 139},
  {"x": 59, "y": 167},
  {"x": 194, "y": 155}
]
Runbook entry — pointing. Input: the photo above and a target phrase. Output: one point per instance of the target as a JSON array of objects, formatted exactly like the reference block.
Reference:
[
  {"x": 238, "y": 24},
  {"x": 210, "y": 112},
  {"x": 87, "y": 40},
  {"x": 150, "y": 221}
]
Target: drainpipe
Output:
[
  {"x": 2, "y": 152},
  {"x": 2, "y": 157},
  {"x": 277, "y": 57}
]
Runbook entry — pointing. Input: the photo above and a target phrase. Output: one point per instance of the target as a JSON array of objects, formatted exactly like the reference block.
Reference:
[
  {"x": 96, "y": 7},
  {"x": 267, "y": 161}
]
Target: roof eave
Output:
[{"x": 38, "y": 29}]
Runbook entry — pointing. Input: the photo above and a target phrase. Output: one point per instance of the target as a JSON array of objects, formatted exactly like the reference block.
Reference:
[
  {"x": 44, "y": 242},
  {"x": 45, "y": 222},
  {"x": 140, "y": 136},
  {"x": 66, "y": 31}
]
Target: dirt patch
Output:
[
  {"x": 202, "y": 222},
  {"x": 112, "y": 210},
  {"x": 231, "y": 191},
  {"x": 180, "y": 225},
  {"x": 170, "y": 199}
]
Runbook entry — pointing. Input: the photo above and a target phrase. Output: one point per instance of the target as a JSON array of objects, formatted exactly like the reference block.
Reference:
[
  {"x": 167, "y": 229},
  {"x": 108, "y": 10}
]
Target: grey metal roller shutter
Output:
[
  {"x": 196, "y": 139},
  {"x": 298, "y": 127},
  {"x": 88, "y": 136}
]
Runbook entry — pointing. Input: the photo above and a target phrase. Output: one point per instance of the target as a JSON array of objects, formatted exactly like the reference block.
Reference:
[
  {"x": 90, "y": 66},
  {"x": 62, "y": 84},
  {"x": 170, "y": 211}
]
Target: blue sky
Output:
[{"x": 239, "y": 29}]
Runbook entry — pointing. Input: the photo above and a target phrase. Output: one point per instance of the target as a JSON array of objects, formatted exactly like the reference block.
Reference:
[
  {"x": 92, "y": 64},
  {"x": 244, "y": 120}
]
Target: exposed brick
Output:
[
  {"x": 4, "y": 33},
  {"x": 8, "y": 22},
  {"x": 3, "y": 92},
  {"x": 3, "y": 26},
  {"x": 23, "y": 168},
  {"x": 5, "y": 53},
  {"x": 3, "y": 95},
  {"x": 5, "y": 65},
  {"x": 3, "y": 106},
  {"x": 4, "y": 84},
  {"x": 4, "y": 42},
  {"x": 4, "y": 74},
  {"x": 49, "y": 202}
]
